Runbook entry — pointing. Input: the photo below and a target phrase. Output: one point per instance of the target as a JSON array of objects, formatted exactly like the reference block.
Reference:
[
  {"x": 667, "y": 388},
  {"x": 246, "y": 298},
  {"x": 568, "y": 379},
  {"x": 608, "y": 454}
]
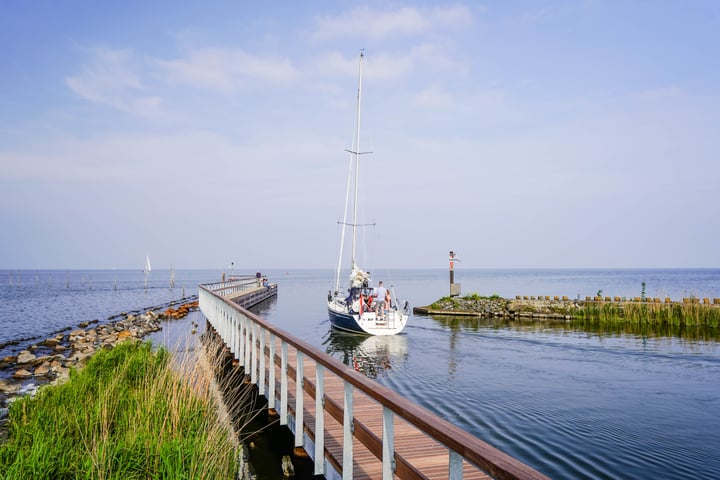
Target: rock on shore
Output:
[
  {"x": 501, "y": 307},
  {"x": 51, "y": 359}
]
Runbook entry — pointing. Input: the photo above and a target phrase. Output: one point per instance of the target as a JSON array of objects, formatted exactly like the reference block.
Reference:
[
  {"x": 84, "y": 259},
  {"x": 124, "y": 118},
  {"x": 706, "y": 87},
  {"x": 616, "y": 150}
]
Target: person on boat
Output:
[
  {"x": 265, "y": 283},
  {"x": 380, "y": 294},
  {"x": 361, "y": 304},
  {"x": 370, "y": 302},
  {"x": 387, "y": 304}
]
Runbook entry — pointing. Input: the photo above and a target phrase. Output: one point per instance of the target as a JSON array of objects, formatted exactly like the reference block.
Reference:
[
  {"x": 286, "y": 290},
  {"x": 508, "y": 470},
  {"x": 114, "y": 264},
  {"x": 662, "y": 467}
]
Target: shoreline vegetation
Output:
[
  {"x": 691, "y": 312},
  {"x": 50, "y": 360},
  {"x": 131, "y": 412}
]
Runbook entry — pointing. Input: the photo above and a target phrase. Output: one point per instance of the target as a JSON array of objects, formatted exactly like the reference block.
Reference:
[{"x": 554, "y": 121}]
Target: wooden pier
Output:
[
  {"x": 351, "y": 426},
  {"x": 245, "y": 291}
]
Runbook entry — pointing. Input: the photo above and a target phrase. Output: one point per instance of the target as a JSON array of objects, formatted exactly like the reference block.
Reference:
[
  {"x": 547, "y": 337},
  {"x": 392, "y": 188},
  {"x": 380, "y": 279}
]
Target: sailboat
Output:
[
  {"x": 147, "y": 269},
  {"x": 358, "y": 308}
]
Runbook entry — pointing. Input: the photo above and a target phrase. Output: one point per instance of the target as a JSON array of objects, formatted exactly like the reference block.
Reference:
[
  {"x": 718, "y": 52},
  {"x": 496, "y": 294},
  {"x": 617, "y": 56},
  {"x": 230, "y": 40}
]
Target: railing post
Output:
[
  {"x": 283, "y": 384},
  {"x": 261, "y": 384},
  {"x": 299, "y": 397},
  {"x": 253, "y": 353},
  {"x": 271, "y": 368},
  {"x": 224, "y": 326},
  {"x": 239, "y": 340},
  {"x": 319, "y": 419},
  {"x": 388, "y": 444},
  {"x": 455, "y": 470},
  {"x": 348, "y": 428},
  {"x": 246, "y": 343},
  {"x": 231, "y": 323}
]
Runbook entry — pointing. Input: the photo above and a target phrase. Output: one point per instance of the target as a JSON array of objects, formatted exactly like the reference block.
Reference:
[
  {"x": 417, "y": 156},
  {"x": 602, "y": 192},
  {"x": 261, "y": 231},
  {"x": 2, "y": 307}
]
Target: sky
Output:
[{"x": 527, "y": 134}]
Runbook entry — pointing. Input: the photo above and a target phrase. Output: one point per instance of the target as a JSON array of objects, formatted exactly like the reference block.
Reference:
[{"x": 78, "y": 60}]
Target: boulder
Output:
[
  {"x": 8, "y": 386},
  {"x": 83, "y": 324},
  {"x": 9, "y": 359},
  {"x": 62, "y": 374},
  {"x": 123, "y": 335},
  {"x": 22, "y": 374},
  {"x": 42, "y": 370},
  {"x": 80, "y": 356},
  {"x": 25, "y": 357},
  {"x": 50, "y": 342},
  {"x": 76, "y": 334}
]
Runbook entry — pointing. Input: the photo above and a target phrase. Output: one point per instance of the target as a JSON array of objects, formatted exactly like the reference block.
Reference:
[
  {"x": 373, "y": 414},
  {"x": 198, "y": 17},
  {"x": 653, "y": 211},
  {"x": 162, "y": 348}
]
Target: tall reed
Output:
[
  {"x": 650, "y": 313},
  {"x": 130, "y": 413}
]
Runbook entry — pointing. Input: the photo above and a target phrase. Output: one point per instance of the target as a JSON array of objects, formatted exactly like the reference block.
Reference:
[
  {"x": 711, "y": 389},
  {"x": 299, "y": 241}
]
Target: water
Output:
[
  {"x": 35, "y": 304},
  {"x": 571, "y": 404}
]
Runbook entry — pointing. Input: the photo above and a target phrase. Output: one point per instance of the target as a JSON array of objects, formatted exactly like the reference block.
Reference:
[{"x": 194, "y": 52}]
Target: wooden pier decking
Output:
[
  {"x": 339, "y": 416},
  {"x": 416, "y": 454}
]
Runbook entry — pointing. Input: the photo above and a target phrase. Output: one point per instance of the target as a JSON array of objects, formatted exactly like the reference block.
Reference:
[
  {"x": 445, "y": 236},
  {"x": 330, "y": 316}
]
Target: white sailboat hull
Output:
[{"x": 391, "y": 322}]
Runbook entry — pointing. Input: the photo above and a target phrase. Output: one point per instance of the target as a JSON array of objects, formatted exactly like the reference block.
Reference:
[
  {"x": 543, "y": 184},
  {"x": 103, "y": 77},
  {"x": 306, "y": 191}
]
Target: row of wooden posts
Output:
[{"x": 668, "y": 300}]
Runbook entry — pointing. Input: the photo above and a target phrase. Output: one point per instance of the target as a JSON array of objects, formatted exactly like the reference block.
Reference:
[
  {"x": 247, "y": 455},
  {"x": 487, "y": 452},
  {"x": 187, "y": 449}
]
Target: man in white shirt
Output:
[{"x": 379, "y": 294}]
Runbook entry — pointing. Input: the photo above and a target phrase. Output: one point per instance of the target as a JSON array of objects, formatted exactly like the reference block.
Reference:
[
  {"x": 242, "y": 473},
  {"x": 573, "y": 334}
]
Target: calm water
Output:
[
  {"x": 34, "y": 304},
  {"x": 571, "y": 404}
]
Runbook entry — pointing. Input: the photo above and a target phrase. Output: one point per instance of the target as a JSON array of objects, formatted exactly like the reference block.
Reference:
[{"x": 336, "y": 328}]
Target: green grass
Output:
[
  {"x": 692, "y": 315},
  {"x": 129, "y": 414}
]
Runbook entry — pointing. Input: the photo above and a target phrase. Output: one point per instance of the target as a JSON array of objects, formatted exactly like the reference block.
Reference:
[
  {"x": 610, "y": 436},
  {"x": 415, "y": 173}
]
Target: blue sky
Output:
[{"x": 520, "y": 134}]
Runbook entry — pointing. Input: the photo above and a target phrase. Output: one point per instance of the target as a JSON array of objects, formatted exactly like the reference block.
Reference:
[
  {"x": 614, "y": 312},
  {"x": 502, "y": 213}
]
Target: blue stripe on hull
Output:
[{"x": 344, "y": 322}]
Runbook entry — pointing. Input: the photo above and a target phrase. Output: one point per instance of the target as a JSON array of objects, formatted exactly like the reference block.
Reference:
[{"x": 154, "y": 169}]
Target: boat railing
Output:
[{"x": 251, "y": 339}]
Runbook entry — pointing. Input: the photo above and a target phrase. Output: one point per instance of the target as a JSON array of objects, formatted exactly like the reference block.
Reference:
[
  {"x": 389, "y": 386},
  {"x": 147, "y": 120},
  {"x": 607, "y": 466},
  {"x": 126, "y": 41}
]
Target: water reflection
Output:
[
  {"x": 597, "y": 327},
  {"x": 264, "y": 307},
  {"x": 370, "y": 355}
]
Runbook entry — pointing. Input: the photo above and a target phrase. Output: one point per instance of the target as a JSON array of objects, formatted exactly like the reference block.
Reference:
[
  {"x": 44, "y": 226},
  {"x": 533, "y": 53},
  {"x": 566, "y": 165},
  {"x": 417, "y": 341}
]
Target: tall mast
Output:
[{"x": 357, "y": 158}]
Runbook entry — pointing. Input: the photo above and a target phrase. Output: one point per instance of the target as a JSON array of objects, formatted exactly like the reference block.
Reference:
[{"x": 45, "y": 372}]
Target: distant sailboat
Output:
[{"x": 147, "y": 269}]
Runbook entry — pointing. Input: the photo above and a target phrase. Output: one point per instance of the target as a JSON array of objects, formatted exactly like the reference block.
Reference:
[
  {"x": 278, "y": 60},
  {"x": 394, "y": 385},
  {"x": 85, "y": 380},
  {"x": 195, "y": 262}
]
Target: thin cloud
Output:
[
  {"x": 112, "y": 79},
  {"x": 226, "y": 69},
  {"x": 380, "y": 24},
  {"x": 128, "y": 82}
]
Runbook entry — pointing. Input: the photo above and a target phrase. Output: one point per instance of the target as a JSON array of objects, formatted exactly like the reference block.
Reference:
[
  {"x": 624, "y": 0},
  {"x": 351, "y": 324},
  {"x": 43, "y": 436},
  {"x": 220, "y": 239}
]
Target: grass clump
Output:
[
  {"x": 129, "y": 414},
  {"x": 477, "y": 296},
  {"x": 693, "y": 315}
]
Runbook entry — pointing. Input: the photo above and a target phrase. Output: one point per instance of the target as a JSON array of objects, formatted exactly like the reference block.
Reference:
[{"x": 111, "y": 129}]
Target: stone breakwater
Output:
[
  {"x": 51, "y": 359},
  {"x": 501, "y": 307}
]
